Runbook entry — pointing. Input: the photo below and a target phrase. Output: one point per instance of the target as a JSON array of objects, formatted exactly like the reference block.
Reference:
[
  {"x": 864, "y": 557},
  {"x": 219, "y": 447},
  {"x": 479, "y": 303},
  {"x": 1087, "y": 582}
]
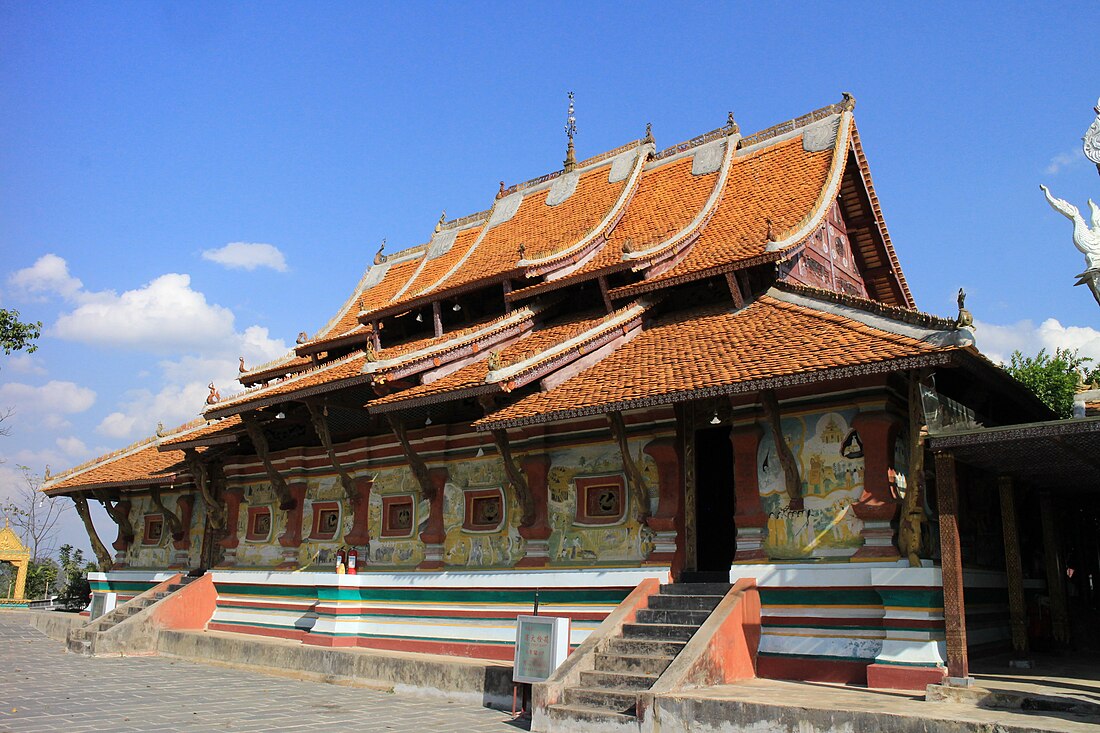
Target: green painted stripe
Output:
[
  {"x": 910, "y": 598},
  {"x": 116, "y": 586},
  {"x": 819, "y": 597}
]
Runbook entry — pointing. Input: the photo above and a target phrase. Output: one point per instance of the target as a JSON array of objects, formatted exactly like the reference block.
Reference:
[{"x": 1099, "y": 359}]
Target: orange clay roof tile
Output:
[
  {"x": 212, "y": 430},
  {"x": 140, "y": 462},
  {"x": 430, "y": 270},
  {"x": 716, "y": 347}
]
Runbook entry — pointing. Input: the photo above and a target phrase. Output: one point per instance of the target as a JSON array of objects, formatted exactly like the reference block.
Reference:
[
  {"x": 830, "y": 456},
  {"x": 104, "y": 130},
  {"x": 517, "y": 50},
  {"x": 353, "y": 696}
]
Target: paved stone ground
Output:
[{"x": 44, "y": 689}]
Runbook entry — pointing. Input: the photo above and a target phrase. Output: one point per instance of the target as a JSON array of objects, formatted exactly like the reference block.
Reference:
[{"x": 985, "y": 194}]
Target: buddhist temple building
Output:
[{"x": 697, "y": 363}]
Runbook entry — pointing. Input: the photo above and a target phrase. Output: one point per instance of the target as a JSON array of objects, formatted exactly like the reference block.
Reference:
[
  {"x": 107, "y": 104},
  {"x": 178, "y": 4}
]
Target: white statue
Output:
[{"x": 1085, "y": 238}]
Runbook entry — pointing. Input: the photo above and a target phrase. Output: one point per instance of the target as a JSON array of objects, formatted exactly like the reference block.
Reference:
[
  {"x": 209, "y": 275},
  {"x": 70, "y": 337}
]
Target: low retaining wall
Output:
[
  {"x": 469, "y": 681},
  {"x": 56, "y": 624}
]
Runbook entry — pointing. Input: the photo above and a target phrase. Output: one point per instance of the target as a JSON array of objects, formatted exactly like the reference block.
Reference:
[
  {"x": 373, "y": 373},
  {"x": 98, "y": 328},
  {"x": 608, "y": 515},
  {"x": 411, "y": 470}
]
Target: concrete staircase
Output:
[
  {"x": 83, "y": 640},
  {"x": 607, "y": 696}
]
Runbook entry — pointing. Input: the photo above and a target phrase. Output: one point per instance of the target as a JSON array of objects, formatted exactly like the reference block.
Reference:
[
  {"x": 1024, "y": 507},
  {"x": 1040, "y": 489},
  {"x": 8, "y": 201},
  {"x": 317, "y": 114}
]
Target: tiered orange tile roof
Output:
[
  {"x": 211, "y": 432},
  {"x": 779, "y": 339}
]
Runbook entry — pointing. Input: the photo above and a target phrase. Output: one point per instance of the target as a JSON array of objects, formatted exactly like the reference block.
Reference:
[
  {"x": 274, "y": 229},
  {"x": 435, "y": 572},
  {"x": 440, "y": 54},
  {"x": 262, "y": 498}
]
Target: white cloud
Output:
[
  {"x": 247, "y": 256},
  {"x": 998, "y": 342},
  {"x": 23, "y": 364},
  {"x": 1062, "y": 161},
  {"x": 53, "y": 398},
  {"x": 49, "y": 275},
  {"x": 163, "y": 316},
  {"x": 73, "y": 446}
]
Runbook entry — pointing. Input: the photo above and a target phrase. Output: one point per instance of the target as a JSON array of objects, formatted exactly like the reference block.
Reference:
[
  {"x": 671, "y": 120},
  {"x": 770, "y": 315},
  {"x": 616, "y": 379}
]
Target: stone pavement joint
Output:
[{"x": 47, "y": 690}]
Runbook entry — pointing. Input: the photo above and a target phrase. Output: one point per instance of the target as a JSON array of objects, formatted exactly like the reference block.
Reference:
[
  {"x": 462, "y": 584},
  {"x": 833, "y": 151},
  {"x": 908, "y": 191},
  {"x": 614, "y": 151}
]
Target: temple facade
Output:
[{"x": 701, "y": 362}]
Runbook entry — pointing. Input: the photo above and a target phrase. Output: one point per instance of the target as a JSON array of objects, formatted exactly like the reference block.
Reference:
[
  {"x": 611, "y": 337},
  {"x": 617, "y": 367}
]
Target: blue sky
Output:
[{"x": 141, "y": 135}]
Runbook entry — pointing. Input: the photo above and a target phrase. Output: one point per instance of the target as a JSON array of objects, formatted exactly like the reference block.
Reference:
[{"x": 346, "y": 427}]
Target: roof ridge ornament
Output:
[
  {"x": 570, "y": 130},
  {"x": 242, "y": 368},
  {"x": 648, "y": 139},
  {"x": 1091, "y": 140},
  {"x": 734, "y": 128},
  {"x": 964, "y": 319},
  {"x": 848, "y": 101},
  {"x": 500, "y": 193},
  {"x": 439, "y": 224},
  {"x": 379, "y": 256},
  {"x": 214, "y": 397}
]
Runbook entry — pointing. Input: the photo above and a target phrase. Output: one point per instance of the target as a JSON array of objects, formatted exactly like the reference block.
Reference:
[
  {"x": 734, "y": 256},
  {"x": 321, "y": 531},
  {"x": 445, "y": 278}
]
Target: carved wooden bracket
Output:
[
  {"x": 516, "y": 479},
  {"x": 320, "y": 426},
  {"x": 119, "y": 511},
  {"x": 792, "y": 480},
  {"x": 416, "y": 463},
  {"x": 101, "y": 554},
  {"x": 634, "y": 475},
  {"x": 215, "y": 509},
  {"x": 912, "y": 509},
  {"x": 259, "y": 442},
  {"x": 185, "y": 504},
  {"x": 175, "y": 527}
]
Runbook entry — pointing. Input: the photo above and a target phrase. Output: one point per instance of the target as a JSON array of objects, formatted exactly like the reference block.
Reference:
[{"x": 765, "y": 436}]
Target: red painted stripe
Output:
[
  {"x": 816, "y": 621},
  {"x": 499, "y": 652},
  {"x": 812, "y": 670},
  {"x": 258, "y": 631}
]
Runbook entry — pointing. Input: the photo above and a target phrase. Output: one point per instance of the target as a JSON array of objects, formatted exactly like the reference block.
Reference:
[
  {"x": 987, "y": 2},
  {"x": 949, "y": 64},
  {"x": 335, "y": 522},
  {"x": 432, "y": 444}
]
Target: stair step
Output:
[
  {"x": 684, "y": 602},
  {"x": 674, "y": 616},
  {"x": 618, "y": 701},
  {"x": 173, "y": 588},
  {"x": 645, "y": 647},
  {"x": 635, "y": 663},
  {"x": 624, "y": 681},
  {"x": 594, "y": 716},
  {"x": 659, "y": 632},
  {"x": 696, "y": 589}
]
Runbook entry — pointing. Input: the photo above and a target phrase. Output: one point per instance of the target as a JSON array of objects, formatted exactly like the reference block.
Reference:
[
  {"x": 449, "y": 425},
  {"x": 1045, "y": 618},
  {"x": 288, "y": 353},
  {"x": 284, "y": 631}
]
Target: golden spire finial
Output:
[{"x": 570, "y": 130}]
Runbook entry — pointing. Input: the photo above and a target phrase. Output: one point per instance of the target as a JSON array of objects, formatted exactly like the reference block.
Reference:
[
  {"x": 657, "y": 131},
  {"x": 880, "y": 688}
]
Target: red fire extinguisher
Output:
[
  {"x": 353, "y": 561},
  {"x": 341, "y": 559}
]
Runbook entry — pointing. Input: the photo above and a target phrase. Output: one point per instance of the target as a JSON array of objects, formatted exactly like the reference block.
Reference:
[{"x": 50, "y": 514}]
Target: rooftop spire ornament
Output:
[
  {"x": 379, "y": 257},
  {"x": 1091, "y": 140},
  {"x": 570, "y": 130},
  {"x": 648, "y": 140},
  {"x": 439, "y": 224},
  {"x": 1085, "y": 238},
  {"x": 964, "y": 319},
  {"x": 731, "y": 123}
]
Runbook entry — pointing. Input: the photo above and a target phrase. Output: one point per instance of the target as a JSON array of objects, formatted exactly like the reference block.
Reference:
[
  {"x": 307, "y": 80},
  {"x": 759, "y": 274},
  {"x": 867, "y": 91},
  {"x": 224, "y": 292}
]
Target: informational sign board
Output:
[
  {"x": 102, "y": 603},
  {"x": 542, "y": 643}
]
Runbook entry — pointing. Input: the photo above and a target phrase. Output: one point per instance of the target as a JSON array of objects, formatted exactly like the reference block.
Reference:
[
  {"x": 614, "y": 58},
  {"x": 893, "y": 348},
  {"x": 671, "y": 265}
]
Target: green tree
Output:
[
  {"x": 41, "y": 576},
  {"x": 16, "y": 335},
  {"x": 74, "y": 587},
  {"x": 1053, "y": 378}
]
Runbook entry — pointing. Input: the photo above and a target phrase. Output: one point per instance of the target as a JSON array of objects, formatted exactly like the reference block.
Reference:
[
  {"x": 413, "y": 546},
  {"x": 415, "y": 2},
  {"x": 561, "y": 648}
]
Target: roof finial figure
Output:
[
  {"x": 1085, "y": 238},
  {"x": 772, "y": 236},
  {"x": 847, "y": 102},
  {"x": 648, "y": 140},
  {"x": 964, "y": 319},
  {"x": 214, "y": 397},
  {"x": 242, "y": 368},
  {"x": 495, "y": 361},
  {"x": 570, "y": 130},
  {"x": 500, "y": 193},
  {"x": 1091, "y": 140},
  {"x": 522, "y": 250},
  {"x": 160, "y": 430},
  {"x": 302, "y": 337},
  {"x": 439, "y": 224},
  {"x": 379, "y": 257},
  {"x": 735, "y": 129},
  {"x": 46, "y": 475}
]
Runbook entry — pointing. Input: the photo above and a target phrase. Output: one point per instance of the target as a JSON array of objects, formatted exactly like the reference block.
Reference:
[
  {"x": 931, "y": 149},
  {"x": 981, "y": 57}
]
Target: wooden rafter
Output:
[
  {"x": 175, "y": 526},
  {"x": 263, "y": 451},
  {"x": 101, "y": 553},
  {"x": 416, "y": 463},
  {"x": 630, "y": 467},
  {"x": 317, "y": 415},
  {"x": 792, "y": 481}
]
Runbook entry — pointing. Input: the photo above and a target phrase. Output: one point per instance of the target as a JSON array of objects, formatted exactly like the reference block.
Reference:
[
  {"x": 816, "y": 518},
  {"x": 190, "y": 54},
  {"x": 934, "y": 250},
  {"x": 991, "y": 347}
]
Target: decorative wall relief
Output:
[
  {"x": 396, "y": 518},
  {"x": 830, "y": 458}
]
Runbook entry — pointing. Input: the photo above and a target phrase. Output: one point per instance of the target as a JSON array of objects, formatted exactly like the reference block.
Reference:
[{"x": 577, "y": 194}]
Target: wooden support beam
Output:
[
  {"x": 376, "y": 334},
  {"x": 416, "y": 463},
  {"x": 259, "y": 442},
  {"x": 437, "y": 319},
  {"x": 606, "y": 295},
  {"x": 175, "y": 526},
  {"x": 102, "y": 555},
  {"x": 1014, "y": 571},
  {"x": 792, "y": 480},
  {"x": 200, "y": 474},
  {"x": 516, "y": 479},
  {"x": 735, "y": 289},
  {"x": 954, "y": 606},
  {"x": 318, "y": 416},
  {"x": 633, "y": 474},
  {"x": 119, "y": 511},
  {"x": 1056, "y": 588}
]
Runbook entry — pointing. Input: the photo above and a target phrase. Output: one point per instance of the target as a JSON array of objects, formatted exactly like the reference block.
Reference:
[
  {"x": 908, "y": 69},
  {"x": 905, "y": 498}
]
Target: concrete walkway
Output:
[{"x": 47, "y": 690}]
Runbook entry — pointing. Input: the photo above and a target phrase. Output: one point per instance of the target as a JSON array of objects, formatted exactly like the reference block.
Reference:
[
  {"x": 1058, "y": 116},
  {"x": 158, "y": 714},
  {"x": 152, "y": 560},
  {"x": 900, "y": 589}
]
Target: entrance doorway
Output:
[{"x": 715, "y": 536}]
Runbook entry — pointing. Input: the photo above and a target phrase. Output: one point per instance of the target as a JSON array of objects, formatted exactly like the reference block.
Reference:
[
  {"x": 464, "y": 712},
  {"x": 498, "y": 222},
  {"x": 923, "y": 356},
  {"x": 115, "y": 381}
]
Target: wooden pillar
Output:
[
  {"x": 232, "y": 499},
  {"x": 954, "y": 607},
  {"x": 291, "y": 539},
  {"x": 185, "y": 506},
  {"x": 1017, "y": 608},
  {"x": 877, "y": 505},
  {"x": 749, "y": 517},
  {"x": 666, "y": 455},
  {"x": 359, "y": 535},
  {"x": 1056, "y": 586},
  {"x": 685, "y": 427},
  {"x": 536, "y": 468}
]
